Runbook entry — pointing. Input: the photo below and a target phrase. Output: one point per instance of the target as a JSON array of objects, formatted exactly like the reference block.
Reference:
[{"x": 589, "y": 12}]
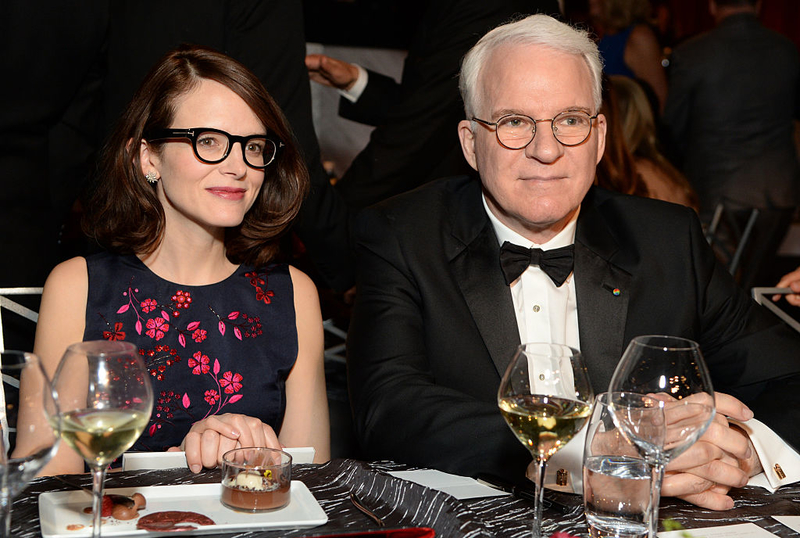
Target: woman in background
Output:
[
  {"x": 662, "y": 179},
  {"x": 628, "y": 44},
  {"x": 196, "y": 185}
]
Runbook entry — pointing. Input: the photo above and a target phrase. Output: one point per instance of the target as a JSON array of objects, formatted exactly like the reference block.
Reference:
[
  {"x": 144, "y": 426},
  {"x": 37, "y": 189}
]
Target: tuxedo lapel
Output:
[
  {"x": 475, "y": 262},
  {"x": 602, "y": 291}
]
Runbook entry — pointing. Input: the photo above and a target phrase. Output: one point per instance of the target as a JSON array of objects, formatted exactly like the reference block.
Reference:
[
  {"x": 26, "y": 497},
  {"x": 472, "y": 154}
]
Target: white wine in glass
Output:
[
  {"x": 546, "y": 398},
  {"x": 105, "y": 400}
]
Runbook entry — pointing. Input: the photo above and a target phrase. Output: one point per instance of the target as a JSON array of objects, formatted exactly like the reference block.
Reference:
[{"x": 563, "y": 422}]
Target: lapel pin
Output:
[{"x": 614, "y": 291}]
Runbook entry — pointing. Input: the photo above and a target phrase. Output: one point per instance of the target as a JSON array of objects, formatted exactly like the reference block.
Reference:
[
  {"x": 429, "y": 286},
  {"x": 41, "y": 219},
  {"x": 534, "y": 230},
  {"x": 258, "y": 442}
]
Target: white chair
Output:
[{"x": 7, "y": 303}]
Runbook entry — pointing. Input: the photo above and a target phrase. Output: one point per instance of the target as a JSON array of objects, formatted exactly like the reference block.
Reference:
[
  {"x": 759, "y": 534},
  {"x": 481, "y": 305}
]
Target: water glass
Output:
[{"x": 616, "y": 480}]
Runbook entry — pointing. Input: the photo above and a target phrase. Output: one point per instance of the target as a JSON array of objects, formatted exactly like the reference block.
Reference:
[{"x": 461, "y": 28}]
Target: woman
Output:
[
  {"x": 196, "y": 185},
  {"x": 628, "y": 45},
  {"x": 636, "y": 117}
]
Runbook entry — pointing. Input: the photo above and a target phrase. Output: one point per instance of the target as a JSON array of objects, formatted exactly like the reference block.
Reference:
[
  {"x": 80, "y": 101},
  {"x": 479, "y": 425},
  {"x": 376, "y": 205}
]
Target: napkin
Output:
[
  {"x": 136, "y": 461},
  {"x": 460, "y": 487}
]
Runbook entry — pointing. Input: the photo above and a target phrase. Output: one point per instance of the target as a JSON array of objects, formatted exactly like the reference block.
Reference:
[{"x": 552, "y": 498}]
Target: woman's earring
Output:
[{"x": 152, "y": 177}]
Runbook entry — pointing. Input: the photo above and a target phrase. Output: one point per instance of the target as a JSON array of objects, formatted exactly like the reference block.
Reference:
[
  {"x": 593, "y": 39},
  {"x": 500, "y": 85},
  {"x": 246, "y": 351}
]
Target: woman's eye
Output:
[
  {"x": 207, "y": 141},
  {"x": 255, "y": 147}
]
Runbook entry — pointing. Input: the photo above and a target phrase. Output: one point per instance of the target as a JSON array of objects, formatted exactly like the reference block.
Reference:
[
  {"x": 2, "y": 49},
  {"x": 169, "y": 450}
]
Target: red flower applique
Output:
[
  {"x": 117, "y": 334},
  {"x": 182, "y": 299},
  {"x": 199, "y": 335},
  {"x": 156, "y": 328},
  {"x": 231, "y": 382},
  {"x": 211, "y": 396},
  {"x": 199, "y": 363}
]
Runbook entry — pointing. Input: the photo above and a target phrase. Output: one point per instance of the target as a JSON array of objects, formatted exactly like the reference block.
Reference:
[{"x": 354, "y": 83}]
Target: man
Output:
[
  {"x": 733, "y": 97},
  {"x": 436, "y": 323}
]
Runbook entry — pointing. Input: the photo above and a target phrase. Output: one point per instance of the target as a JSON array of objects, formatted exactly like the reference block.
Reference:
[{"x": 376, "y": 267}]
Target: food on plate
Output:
[
  {"x": 121, "y": 506},
  {"x": 172, "y": 520}
]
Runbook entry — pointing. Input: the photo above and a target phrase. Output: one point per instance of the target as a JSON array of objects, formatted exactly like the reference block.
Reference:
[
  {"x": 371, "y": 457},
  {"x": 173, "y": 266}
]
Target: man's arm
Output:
[{"x": 400, "y": 410}]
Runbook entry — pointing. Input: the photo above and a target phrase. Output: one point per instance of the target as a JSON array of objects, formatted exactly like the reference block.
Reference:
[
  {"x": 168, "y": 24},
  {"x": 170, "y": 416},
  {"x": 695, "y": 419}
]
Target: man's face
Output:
[{"x": 536, "y": 190}]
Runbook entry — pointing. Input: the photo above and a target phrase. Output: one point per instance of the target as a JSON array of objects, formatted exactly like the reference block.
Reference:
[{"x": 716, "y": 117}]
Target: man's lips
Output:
[{"x": 229, "y": 193}]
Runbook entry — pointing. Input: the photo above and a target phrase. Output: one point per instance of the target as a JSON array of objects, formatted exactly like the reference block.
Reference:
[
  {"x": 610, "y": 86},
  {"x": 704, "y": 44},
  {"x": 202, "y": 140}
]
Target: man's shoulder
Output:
[
  {"x": 430, "y": 200},
  {"x": 637, "y": 214}
]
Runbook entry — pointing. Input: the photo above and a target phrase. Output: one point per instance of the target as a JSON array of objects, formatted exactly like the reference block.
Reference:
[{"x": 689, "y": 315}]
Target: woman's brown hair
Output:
[{"x": 123, "y": 213}]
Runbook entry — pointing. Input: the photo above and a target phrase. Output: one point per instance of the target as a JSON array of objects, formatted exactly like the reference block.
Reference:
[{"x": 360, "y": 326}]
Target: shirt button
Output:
[{"x": 536, "y": 308}]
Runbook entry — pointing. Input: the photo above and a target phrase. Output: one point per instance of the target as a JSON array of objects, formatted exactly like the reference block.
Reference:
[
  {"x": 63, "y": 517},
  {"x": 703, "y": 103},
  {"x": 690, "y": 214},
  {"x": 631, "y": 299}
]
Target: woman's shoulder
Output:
[{"x": 72, "y": 272}]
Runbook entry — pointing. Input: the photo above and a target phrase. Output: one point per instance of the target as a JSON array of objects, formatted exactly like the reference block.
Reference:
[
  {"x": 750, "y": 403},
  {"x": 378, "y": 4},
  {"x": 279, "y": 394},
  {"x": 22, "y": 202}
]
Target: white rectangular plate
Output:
[{"x": 59, "y": 510}]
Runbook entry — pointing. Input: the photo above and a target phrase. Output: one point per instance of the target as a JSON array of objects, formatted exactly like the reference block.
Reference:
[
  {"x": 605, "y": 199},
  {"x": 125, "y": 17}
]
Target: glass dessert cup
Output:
[{"x": 256, "y": 479}]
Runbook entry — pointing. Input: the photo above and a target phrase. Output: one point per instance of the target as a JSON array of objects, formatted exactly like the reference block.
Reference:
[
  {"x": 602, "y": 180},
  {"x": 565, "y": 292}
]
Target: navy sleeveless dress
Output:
[{"x": 222, "y": 348}]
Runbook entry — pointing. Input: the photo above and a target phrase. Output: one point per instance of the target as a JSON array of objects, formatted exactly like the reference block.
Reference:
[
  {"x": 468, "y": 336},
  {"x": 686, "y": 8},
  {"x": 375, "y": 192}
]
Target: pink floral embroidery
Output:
[
  {"x": 157, "y": 328},
  {"x": 231, "y": 382},
  {"x": 212, "y": 397},
  {"x": 182, "y": 299},
  {"x": 199, "y": 363},
  {"x": 116, "y": 334},
  {"x": 199, "y": 335},
  {"x": 148, "y": 305}
]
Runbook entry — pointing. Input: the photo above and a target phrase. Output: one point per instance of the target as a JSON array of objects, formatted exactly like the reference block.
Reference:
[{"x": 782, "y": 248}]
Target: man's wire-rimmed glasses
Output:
[
  {"x": 516, "y": 131},
  {"x": 213, "y": 146}
]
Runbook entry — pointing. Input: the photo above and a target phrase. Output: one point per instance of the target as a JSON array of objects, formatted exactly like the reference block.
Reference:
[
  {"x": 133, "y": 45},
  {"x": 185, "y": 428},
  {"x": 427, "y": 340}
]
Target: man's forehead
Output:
[{"x": 528, "y": 74}]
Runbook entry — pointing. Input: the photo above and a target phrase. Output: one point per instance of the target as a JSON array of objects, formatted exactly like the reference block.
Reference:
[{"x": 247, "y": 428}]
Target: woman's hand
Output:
[{"x": 210, "y": 438}]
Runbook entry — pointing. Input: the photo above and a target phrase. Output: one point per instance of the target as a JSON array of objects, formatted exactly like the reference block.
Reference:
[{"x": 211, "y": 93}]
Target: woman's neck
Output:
[{"x": 192, "y": 261}]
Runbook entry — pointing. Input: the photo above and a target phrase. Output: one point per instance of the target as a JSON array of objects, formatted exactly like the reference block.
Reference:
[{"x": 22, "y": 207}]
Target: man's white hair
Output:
[{"x": 533, "y": 30}]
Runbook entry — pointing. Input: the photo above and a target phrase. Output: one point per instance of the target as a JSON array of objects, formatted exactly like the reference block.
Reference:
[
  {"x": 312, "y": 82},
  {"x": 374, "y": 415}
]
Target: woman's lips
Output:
[{"x": 229, "y": 193}]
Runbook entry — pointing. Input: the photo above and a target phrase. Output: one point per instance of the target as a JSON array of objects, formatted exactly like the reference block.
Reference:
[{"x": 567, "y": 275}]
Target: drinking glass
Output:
[
  {"x": 105, "y": 399},
  {"x": 662, "y": 399},
  {"x": 24, "y": 371},
  {"x": 616, "y": 479},
  {"x": 546, "y": 398}
]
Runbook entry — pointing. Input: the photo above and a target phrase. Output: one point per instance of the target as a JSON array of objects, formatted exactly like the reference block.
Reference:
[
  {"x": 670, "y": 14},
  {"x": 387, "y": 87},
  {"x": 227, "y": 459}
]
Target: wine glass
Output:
[
  {"x": 105, "y": 399},
  {"x": 661, "y": 397},
  {"x": 546, "y": 398},
  {"x": 29, "y": 415}
]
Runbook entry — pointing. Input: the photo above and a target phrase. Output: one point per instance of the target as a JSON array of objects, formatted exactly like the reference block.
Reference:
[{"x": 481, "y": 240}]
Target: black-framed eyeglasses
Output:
[
  {"x": 213, "y": 146},
  {"x": 516, "y": 131}
]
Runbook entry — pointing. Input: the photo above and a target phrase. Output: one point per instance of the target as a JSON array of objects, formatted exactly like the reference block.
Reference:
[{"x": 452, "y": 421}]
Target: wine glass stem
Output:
[
  {"x": 5, "y": 505},
  {"x": 657, "y": 471},
  {"x": 536, "y": 527},
  {"x": 98, "y": 477}
]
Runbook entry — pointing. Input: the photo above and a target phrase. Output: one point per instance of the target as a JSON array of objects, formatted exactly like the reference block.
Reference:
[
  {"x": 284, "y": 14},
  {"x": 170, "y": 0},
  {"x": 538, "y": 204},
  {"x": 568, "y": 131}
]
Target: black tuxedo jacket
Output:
[{"x": 434, "y": 328}]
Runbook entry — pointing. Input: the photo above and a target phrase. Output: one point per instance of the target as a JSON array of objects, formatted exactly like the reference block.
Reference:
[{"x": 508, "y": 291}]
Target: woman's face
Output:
[{"x": 195, "y": 195}]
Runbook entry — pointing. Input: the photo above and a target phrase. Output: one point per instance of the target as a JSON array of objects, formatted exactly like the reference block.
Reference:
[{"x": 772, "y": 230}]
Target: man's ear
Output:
[
  {"x": 467, "y": 138},
  {"x": 602, "y": 127}
]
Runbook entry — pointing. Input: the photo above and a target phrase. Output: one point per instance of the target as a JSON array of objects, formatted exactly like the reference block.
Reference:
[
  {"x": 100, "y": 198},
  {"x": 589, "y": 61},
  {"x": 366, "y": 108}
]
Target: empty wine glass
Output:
[
  {"x": 105, "y": 398},
  {"x": 30, "y": 415},
  {"x": 661, "y": 397},
  {"x": 546, "y": 398}
]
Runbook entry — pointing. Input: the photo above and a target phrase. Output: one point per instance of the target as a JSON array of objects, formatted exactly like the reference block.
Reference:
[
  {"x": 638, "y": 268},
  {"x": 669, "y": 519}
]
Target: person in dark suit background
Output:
[
  {"x": 413, "y": 141},
  {"x": 435, "y": 321},
  {"x": 734, "y": 96}
]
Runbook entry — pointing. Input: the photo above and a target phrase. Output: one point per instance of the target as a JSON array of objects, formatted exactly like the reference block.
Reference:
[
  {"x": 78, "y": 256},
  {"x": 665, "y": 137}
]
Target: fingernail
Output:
[
  {"x": 748, "y": 453},
  {"x": 748, "y": 413},
  {"x": 196, "y": 468}
]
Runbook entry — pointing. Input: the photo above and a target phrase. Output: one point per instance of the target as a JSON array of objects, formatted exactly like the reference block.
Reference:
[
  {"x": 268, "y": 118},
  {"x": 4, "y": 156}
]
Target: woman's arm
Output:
[
  {"x": 643, "y": 56},
  {"x": 306, "y": 422},
  {"x": 61, "y": 322}
]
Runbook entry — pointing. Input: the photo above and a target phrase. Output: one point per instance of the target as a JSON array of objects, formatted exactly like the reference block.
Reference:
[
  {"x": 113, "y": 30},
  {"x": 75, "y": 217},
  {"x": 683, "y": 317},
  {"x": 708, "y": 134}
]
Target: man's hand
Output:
[
  {"x": 723, "y": 458},
  {"x": 210, "y": 438},
  {"x": 792, "y": 280},
  {"x": 331, "y": 72}
]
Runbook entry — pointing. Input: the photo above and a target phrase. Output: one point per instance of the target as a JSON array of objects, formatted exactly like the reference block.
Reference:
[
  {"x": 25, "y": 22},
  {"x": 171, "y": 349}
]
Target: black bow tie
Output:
[{"x": 556, "y": 263}]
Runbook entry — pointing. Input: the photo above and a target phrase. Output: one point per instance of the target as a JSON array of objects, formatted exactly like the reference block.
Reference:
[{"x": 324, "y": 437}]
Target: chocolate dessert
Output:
[{"x": 172, "y": 521}]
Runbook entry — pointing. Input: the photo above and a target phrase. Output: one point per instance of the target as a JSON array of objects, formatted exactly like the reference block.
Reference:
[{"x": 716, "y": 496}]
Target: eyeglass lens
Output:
[
  {"x": 213, "y": 147},
  {"x": 569, "y": 128}
]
